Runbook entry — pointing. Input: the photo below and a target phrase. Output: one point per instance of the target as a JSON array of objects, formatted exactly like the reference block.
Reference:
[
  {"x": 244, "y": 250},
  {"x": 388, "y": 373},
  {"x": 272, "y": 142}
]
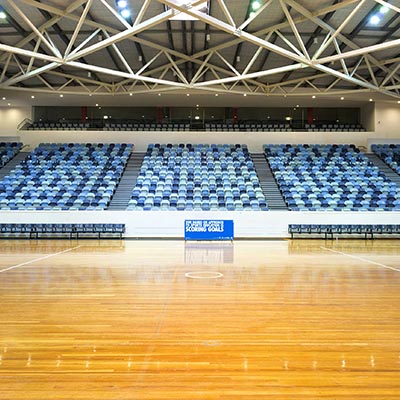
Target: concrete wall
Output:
[
  {"x": 367, "y": 116},
  {"x": 10, "y": 118},
  {"x": 387, "y": 120}
]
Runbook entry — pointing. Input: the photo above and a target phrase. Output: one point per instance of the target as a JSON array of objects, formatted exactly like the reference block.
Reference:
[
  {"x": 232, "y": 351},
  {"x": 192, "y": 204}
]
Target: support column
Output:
[
  {"x": 310, "y": 115},
  {"x": 235, "y": 115},
  {"x": 83, "y": 114},
  {"x": 159, "y": 115}
]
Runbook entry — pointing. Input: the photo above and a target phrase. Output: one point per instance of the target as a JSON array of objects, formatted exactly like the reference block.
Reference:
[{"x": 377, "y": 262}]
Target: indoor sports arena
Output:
[{"x": 199, "y": 199}]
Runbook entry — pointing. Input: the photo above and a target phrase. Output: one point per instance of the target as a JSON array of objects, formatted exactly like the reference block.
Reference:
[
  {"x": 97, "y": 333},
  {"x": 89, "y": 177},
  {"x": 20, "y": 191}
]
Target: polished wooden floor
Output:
[{"x": 168, "y": 320}]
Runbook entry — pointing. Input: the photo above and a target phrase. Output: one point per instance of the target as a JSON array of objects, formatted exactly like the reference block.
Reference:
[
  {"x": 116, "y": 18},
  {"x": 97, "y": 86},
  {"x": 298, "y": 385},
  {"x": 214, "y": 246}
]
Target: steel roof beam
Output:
[{"x": 260, "y": 42}]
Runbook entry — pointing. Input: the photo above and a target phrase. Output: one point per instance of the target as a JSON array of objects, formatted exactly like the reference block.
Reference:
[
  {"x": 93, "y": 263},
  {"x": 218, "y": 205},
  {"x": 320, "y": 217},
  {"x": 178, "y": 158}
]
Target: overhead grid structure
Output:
[{"x": 263, "y": 47}]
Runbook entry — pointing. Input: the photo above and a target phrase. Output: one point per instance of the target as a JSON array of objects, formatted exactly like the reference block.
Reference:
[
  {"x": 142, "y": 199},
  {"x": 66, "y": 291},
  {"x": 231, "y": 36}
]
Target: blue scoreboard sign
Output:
[{"x": 208, "y": 229}]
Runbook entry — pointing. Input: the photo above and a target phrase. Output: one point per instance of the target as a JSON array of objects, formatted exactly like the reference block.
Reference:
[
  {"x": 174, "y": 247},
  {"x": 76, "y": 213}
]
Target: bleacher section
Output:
[
  {"x": 389, "y": 153},
  {"x": 383, "y": 167},
  {"x": 333, "y": 127},
  {"x": 130, "y": 125},
  {"x": 249, "y": 126},
  {"x": 197, "y": 125},
  {"x": 197, "y": 177},
  {"x": 59, "y": 125},
  {"x": 331, "y": 177},
  {"x": 8, "y": 151},
  {"x": 65, "y": 177}
]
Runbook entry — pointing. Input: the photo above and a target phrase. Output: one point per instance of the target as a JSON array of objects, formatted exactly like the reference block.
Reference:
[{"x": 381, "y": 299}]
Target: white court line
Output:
[
  {"x": 361, "y": 259},
  {"x": 38, "y": 259},
  {"x": 204, "y": 275}
]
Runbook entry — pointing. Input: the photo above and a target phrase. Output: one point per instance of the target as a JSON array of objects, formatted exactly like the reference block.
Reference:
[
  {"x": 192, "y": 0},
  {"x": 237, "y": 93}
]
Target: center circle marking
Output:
[{"x": 204, "y": 275}]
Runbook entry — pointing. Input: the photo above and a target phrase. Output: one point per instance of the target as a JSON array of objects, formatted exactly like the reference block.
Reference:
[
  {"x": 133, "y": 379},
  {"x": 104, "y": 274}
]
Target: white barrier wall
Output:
[
  {"x": 170, "y": 224},
  {"x": 254, "y": 140}
]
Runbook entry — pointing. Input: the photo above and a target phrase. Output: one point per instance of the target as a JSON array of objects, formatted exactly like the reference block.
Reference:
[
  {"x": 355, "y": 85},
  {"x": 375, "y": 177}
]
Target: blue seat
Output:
[
  {"x": 338, "y": 176},
  {"x": 198, "y": 176}
]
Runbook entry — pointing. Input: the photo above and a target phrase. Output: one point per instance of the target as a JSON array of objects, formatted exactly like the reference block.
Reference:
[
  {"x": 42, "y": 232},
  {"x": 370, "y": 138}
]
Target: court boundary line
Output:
[
  {"x": 38, "y": 259},
  {"x": 361, "y": 259}
]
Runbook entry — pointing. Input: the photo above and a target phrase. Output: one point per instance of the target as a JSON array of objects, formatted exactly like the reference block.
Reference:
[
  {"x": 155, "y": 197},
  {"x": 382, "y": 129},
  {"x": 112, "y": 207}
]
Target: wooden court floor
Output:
[{"x": 168, "y": 320}]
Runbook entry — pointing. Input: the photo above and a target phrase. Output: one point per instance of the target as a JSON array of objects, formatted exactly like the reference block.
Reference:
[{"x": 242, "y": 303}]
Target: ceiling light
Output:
[
  {"x": 313, "y": 97},
  {"x": 398, "y": 102},
  {"x": 374, "y": 20},
  {"x": 3, "y": 15},
  {"x": 122, "y": 3},
  {"x": 196, "y": 117},
  {"x": 125, "y": 13},
  {"x": 9, "y": 104},
  {"x": 370, "y": 100},
  {"x": 32, "y": 97},
  {"x": 252, "y": 14},
  {"x": 255, "y": 5},
  {"x": 61, "y": 95},
  {"x": 4, "y": 98},
  {"x": 105, "y": 116},
  {"x": 244, "y": 94},
  {"x": 130, "y": 94},
  {"x": 216, "y": 94},
  {"x": 159, "y": 94},
  {"x": 297, "y": 106},
  {"x": 197, "y": 105},
  {"x": 288, "y": 118},
  {"x": 384, "y": 9},
  {"x": 187, "y": 94},
  {"x": 97, "y": 105},
  {"x": 342, "y": 98}
]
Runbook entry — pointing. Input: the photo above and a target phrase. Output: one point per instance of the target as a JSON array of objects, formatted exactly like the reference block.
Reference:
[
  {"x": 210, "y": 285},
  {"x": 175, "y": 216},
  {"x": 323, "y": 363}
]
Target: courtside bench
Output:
[
  {"x": 334, "y": 230},
  {"x": 73, "y": 231}
]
